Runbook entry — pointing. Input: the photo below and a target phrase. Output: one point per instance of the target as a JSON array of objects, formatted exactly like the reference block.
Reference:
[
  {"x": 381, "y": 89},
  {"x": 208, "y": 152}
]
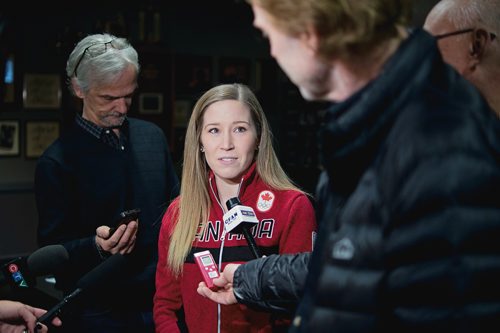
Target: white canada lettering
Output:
[{"x": 213, "y": 231}]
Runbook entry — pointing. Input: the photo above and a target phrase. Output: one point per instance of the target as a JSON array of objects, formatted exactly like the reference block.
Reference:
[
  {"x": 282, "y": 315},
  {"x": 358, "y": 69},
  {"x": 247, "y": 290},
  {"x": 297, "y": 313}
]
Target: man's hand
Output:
[
  {"x": 122, "y": 241},
  {"x": 16, "y": 317},
  {"x": 224, "y": 295}
]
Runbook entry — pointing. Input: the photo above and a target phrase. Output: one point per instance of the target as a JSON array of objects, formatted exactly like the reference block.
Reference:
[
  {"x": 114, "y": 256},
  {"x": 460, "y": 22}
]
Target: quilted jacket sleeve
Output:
[{"x": 273, "y": 283}]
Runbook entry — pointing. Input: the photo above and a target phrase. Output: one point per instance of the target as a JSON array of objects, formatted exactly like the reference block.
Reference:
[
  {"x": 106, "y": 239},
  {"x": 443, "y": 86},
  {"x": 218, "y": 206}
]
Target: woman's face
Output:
[{"x": 229, "y": 139}]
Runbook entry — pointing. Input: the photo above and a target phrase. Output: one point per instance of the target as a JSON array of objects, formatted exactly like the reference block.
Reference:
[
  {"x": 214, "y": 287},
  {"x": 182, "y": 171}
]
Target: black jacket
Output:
[{"x": 409, "y": 240}]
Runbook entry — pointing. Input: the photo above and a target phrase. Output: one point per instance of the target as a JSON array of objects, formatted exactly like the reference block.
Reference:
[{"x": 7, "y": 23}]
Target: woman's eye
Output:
[
  {"x": 240, "y": 129},
  {"x": 213, "y": 130}
]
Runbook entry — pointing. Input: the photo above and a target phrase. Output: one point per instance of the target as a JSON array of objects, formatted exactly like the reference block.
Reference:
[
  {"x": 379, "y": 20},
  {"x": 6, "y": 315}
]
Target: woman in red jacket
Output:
[{"x": 228, "y": 153}]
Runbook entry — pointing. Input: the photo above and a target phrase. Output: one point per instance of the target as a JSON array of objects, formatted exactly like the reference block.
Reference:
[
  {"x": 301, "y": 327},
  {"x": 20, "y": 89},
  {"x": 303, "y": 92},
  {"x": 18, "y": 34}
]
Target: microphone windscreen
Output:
[
  {"x": 47, "y": 259},
  {"x": 232, "y": 202},
  {"x": 103, "y": 273}
]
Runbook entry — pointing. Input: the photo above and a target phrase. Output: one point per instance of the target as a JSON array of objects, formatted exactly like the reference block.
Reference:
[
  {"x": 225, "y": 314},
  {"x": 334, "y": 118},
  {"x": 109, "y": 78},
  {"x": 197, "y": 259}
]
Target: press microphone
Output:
[
  {"x": 240, "y": 219},
  {"x": 97, "y": 277},
  {"x": 21, "y": 272}
]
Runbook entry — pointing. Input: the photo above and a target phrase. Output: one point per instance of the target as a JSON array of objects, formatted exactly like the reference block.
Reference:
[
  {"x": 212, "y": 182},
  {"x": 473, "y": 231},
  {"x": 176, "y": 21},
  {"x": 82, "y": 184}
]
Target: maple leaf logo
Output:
[
  {"x": 265, "y": 201},
  {"x": 266, "y": 196}
]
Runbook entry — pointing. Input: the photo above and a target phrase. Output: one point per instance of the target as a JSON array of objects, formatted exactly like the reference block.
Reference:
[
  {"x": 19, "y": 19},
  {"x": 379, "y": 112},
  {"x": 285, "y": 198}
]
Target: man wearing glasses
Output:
[
  {"x": 106, "y": 164},
  {"x": 467, "y": 33}
]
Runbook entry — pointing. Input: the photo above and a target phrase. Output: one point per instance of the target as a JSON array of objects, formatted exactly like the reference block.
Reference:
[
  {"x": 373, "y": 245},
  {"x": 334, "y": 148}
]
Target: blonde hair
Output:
[
  {"x": 194, "y": 204},
  {"x": 344, "y": 27}
]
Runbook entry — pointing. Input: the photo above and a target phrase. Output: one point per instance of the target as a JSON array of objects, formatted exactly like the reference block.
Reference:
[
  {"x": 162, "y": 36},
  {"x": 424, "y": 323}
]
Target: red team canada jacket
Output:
[{"x": 286, "y": 225}]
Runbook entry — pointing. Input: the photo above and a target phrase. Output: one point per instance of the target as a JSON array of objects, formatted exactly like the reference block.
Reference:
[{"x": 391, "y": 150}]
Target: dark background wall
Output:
[{"x": 184, "y": 47}]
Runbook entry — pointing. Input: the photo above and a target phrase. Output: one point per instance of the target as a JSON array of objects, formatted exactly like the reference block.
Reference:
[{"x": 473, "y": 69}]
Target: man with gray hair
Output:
[
  {"x": 107, "y": 163},
  {"x": 467, "y": 33}
]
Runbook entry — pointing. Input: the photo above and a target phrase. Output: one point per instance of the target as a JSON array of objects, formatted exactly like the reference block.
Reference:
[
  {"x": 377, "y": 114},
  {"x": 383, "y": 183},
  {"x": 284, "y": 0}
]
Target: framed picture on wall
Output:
[
  {"x": 151, "y": 103},
  {"x": 193, "y": 73},
  {"x": 42, "y": 91},
  {"x": 182, "y": 112},
  {"x": 233, "y": 70},
  {"x": 9, "y": 138},
  {"x": 39, "y": 135}
]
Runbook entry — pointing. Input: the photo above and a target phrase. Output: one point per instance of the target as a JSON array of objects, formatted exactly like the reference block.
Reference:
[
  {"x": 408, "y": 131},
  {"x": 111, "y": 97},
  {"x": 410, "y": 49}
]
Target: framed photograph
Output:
[
  {"x": 151, "y": 103},
  {"x": 39, "y": 135},
  {"x": 9, "y": 137},
  {"x": 193, "y": 74},
  {"x": 182, "y": 112},
  {"x": 232, "y": 70},
  {"x": 42, "y": 91}
]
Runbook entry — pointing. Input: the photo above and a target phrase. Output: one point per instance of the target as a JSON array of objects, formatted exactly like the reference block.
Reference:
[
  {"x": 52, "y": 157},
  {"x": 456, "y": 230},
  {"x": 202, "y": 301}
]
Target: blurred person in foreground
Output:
[
  {"x": 408, "y": 240},
  {"x": 228, "y": 153},
  {"x": 105, "y": 164},
  {"x": 467, "y": 33}
]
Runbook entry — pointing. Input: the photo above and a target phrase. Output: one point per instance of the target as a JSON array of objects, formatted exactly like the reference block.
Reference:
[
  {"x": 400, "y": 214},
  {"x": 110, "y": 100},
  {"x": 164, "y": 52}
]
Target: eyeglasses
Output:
[
  {"x": 94, "y": 50},
  {"x": 459, "y": 32}
]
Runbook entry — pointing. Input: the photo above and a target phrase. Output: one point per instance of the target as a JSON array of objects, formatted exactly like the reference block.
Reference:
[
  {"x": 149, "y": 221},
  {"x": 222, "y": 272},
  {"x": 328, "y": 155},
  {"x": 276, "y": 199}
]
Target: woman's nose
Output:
[{"x": 227, "y": 141}]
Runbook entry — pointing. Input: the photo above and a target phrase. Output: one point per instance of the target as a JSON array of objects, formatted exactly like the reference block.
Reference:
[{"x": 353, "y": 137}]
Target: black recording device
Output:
[{"x": 124, "y": 218}]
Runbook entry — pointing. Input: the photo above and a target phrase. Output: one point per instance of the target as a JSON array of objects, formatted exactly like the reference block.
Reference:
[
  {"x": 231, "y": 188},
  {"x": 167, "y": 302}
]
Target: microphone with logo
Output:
[
  {"x": 240, "y": 219},
  {"x": 100, "y": 275},
  {"x": 21, "y": 272}
]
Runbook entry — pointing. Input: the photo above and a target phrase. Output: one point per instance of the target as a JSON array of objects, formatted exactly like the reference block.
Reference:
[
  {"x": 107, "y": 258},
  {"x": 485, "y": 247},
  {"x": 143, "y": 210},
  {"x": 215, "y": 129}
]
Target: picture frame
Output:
[
  {"x": 9, "y": 138},
  {"x": 182, "y": 112},
  {"x": 193, "y": 74},
  {"x": 151, "y": 103},
  {"x": 42, "y": 91},
  {"x": 234, "y": 70},
  {"x": 39, "y": 135}
]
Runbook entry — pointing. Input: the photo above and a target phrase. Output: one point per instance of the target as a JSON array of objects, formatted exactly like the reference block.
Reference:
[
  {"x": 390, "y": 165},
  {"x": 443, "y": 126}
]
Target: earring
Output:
[{"x": 202, "y": 149}]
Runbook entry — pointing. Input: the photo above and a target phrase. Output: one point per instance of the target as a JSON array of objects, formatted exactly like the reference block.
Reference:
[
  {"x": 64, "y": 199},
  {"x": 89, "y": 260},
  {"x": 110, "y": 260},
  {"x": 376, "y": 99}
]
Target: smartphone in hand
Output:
[{"x": 125, "y": 217}]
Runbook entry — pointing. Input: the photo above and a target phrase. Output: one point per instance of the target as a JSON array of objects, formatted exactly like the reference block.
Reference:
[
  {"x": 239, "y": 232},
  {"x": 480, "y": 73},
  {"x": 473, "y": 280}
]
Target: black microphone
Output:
[
  {"x": 103, "y": 273},
  {"x": 21, "y": 272},
  {"x": 240, "y": 219}
]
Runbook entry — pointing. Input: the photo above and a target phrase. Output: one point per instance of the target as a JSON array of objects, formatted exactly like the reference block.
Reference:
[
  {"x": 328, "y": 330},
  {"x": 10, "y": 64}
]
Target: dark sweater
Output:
[{"x": 82, "y": 183}]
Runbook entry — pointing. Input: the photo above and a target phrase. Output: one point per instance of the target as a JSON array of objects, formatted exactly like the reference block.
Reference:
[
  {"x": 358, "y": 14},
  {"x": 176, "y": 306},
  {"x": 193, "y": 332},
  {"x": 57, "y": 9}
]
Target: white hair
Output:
[{"x": 465, "y": 14}]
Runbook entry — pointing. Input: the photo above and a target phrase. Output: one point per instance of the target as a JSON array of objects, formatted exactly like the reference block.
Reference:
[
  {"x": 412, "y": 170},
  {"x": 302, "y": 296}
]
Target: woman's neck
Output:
[{"x": 226, "y": 191}]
